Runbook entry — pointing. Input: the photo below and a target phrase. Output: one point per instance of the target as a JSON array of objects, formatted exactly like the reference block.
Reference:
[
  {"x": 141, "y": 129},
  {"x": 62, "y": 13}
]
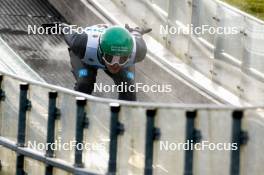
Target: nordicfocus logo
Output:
[
  {"x": 58, "y": 145},
  {"x": 58, "y": 29},
  {"x": 137, "y": 87},
  {"x": 190, "y": 29},
  {"x": 201, "y": 146}
]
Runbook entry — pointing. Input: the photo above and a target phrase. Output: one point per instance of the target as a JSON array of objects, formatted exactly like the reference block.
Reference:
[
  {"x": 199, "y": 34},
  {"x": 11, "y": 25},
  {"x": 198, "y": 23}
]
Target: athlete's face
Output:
[{"x": 113, "y": 68}]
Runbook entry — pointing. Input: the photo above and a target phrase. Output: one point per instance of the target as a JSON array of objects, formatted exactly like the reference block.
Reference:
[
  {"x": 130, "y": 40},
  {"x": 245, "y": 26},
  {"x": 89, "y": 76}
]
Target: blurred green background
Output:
[{"x": 254, "y": 7}]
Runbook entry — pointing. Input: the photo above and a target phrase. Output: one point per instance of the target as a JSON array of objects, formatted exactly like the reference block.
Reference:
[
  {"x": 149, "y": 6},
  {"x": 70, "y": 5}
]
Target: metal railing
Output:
[
  {"x": 134, "y": 138},
  {"x": 234, "y": 61}
]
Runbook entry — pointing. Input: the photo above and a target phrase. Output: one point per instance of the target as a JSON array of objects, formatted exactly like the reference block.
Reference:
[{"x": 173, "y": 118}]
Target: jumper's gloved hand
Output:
[{"x": 138, "y": 30}]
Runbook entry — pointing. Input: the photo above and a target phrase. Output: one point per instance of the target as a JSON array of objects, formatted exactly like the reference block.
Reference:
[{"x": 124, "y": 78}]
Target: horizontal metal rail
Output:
[
  {"x": 42, "y": 158},
  {"x": 127, "y": 103}
]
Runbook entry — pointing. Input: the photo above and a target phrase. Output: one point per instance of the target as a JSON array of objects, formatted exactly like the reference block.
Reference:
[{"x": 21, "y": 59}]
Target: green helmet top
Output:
[{"x": 116, "y": 41}]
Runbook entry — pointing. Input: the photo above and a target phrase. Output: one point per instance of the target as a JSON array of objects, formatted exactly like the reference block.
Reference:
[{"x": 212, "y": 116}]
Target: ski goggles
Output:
[{"x": 111, "y": 60}]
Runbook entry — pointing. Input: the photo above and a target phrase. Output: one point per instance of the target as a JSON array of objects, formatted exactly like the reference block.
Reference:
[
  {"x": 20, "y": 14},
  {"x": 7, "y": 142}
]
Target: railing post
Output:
[
  {"x": 219, "y": 38},
  {"x": 2, "y": 92},
  {"x": 53, "y": 113},
  {"x": 24, "y": 106},
  {"x": 196, "y": 8},
  {"x": 116, "y": 128},
  {"x": 239, "y": 137},
  {"x": 152, "y": 133},
  {"x": 20, "y": 164},
  {"x": 192, "y": 136},
  {"x": 48, "y": 170},
  {"x": 2, "y": 98},
  {"x": 81, "y": 123}
]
